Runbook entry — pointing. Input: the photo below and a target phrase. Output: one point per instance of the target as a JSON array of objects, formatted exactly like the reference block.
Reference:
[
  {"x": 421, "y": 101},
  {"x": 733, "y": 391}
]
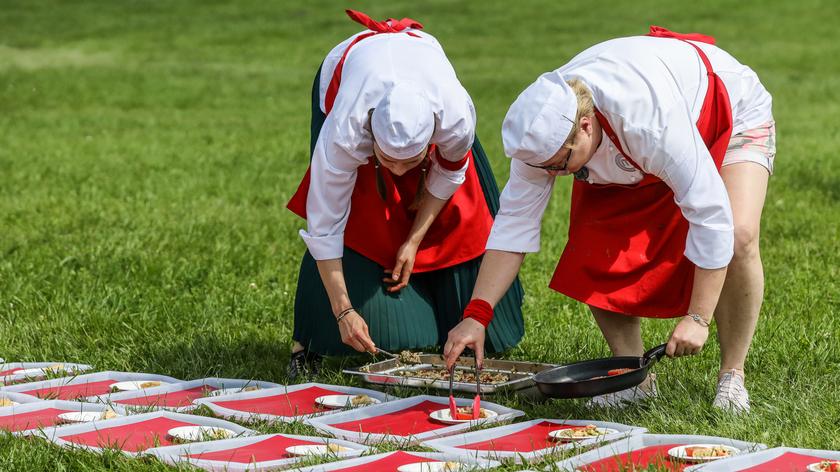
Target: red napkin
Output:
[
  {"x": 300, "y": 402},
  {"x": 789, "y": 461},
  {"x": 133, "y": 437},
  {"x": 74, "y": 391},
  {"x": 171, "y": 399},
  {"x": 405, "y": 422},
  {"x": 529, "y": 439},
  {"x": 388, "y": 464},
  {"x": 651, "y": 455},
  {"x": 270, "y": 449},
  {"x": 31, "y": 419}
]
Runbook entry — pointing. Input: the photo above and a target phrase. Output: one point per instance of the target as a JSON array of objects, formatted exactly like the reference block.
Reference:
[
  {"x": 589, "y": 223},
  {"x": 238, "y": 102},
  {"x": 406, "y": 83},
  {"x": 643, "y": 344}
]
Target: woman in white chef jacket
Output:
[
  {"x": 671, "y": 142},
  {"x": 398, "y": 189}
]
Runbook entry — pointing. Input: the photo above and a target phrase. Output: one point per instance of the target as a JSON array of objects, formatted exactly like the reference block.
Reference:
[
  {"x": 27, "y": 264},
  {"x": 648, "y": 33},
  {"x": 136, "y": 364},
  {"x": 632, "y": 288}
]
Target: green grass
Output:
[{"x": 147, "y": 150}]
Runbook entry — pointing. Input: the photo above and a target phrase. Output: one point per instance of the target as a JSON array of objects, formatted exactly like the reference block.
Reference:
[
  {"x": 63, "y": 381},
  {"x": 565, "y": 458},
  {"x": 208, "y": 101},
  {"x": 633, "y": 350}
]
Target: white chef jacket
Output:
[
  {"x": 651, "y": 91},
  {"x": 371, "y": 68}
]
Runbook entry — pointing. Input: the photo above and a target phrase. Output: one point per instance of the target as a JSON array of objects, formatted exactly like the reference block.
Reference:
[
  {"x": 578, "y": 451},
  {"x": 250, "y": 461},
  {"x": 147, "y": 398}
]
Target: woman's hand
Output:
[
  {"x": 354, "y": 333},
  {"x": 468, "y": 333},
  {"x": 402, "y": 269},
  {"x": 687, "y": 338}
]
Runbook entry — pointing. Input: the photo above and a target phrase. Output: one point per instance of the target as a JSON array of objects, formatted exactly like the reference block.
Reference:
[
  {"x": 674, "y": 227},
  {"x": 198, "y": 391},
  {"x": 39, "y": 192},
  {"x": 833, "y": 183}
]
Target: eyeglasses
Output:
[{"x": 566, "y": 163}]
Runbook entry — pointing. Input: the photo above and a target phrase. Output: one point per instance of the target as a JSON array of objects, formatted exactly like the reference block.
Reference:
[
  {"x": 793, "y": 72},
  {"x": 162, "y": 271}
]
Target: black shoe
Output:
[{"x": 304, "y": 364}]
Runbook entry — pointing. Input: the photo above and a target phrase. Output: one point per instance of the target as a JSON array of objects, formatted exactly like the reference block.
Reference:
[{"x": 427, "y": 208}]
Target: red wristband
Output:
[{"x": 479, "y": 310}]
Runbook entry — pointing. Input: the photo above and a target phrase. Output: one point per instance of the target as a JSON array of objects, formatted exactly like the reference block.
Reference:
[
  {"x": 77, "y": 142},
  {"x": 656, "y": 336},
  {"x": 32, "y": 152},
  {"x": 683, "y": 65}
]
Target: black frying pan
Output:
[{"x": 578, "y": 379}]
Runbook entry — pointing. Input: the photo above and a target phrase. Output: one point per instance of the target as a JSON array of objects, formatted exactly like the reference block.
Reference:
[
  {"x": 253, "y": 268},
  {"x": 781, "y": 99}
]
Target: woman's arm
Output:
[
  {"x": 353, "y": 329},
  {"x": 430, "y": 207},
  {"x": 498, "y": 270},
  {"x": 690, "y": 335}
]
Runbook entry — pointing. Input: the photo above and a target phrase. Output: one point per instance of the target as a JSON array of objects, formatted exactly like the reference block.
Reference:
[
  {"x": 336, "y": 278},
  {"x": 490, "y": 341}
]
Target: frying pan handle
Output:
[{"x": 654, "y": 354}]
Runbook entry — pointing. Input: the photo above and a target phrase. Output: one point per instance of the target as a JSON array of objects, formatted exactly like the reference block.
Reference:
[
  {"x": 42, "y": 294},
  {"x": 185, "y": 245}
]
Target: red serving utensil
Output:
[
  {"x": 476, "y": 410},
  {"x": 453, "y": 409}
]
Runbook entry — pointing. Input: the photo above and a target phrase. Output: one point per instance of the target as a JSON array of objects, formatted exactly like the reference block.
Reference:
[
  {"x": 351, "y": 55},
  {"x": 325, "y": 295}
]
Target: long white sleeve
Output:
[
  {"x": 454, "y": 135},
  {"x": 679, "y": 157},
  {"x": 332, "y": 178},
  {"x": 522, "y": 205}
]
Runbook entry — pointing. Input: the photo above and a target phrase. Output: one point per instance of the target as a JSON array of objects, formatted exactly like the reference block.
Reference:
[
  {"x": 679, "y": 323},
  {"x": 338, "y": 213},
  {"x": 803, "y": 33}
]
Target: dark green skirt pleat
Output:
[{"x": 422, "y": 314}]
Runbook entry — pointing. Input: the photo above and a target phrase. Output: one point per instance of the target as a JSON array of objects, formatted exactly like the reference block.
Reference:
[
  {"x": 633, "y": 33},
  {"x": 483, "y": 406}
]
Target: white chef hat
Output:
[
  {"x": 540, "y": 120},
  {"x": 403, "y": 121}
]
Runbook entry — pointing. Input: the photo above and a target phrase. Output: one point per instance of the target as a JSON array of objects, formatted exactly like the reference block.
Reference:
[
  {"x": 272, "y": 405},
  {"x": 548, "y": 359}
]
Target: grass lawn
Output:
[{"x": 147, "y": 149}]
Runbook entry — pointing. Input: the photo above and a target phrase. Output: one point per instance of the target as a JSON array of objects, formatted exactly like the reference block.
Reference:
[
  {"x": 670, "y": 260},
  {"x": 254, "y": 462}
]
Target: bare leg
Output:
[
  {"x": 623, "y": 333},
  {"x": 296, "y": 347},
  {"x": 740, "y": 301}
]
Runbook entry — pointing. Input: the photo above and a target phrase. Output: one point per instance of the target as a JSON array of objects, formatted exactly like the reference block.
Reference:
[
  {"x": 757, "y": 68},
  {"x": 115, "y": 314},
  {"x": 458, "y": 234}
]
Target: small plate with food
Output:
[
  {"x": 230, "y": 391},
  {"x": 87, "y": 416},
  {"x": 200, "y": 433},
  {"x": 465, "y": 415},
  {"x": 702, "y": 452},
  {"x": 579, "y": 433},
  {"x": 132, "y": 385},
  {"x": 436, "y": 466},
  {"x": 345, "y": 401},
  {"x": 824, "y": 466},
  {"x": 42, "y": 371},
  {"x": 315, "y": 449}
]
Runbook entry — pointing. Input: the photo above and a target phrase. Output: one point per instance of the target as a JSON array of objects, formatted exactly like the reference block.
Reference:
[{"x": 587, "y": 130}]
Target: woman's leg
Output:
[
  {"x": 623, "y": 333},
  {"x": 740, "y": 301}
]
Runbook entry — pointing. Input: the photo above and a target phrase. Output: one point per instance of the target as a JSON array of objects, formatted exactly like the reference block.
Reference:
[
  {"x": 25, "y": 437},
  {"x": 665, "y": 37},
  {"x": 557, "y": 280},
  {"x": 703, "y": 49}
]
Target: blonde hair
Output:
[{"x": 585, "y": 107}]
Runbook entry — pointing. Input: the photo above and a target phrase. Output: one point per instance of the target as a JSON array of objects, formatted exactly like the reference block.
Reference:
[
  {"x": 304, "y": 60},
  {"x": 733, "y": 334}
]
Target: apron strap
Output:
[{"x": 376, "y": 27}]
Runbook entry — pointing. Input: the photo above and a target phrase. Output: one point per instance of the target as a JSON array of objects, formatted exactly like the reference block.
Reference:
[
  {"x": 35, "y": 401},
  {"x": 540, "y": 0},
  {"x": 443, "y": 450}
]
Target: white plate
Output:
[
  {"x": 314, "y": 450},
  {"x": 815, "y": 467},
  {"x": 429, "y": 467},
  {"x": 443, "y": 416},
  {"x": 342, "y": 401},
  {"x": 81, "y": 416},
  {"x": 679, "y": 452},
  {"x": 40, "y": 371},
  {"x": 132, "y": 385},
  {"x": 566, "y": 434},
  {"x": 200, "y": 433}
]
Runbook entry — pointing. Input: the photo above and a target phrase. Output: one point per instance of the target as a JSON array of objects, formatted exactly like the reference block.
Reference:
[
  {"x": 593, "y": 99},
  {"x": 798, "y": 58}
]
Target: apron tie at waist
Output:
[{"x": 391, "y": 25}]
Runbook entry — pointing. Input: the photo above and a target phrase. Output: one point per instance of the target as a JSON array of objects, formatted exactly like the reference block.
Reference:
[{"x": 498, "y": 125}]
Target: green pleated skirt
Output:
[{"x": 421, "y": 314}]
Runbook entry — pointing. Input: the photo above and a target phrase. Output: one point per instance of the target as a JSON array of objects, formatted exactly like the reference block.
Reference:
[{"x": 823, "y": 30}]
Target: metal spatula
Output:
[
  {"x": 453, "y": 409},
  {"x": 476, "y": 410}
]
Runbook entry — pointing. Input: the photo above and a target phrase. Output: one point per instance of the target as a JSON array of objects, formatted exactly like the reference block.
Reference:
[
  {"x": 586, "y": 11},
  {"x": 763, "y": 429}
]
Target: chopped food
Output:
[
  {"x": 361, "y": 400},
  {"x": 408, "y": 357},
  {"x": 829, "y": 466},
  {"x": 251, "y": 388},
  {"x": 450, "y": 466},
  {"x": 212, "y": 434},
  {"x": 108, "y": 414},
  {"x": 460, "y": 375},
  {"x": 149, "y": 384},
  {"x": 6, "y": 402},
  {"x": 54, "y": 368},
  {"x": 706, "y": 452},
  {"x": 335, "y": 448},
  {"x": 466, "y": 413},
  {"x": 611, "y": 373},
  {"x": 588, "y": 431}
]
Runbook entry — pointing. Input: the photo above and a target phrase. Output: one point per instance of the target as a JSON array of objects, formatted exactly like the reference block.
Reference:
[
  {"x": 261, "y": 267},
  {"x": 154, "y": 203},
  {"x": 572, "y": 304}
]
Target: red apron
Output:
[
  {"x": 626, "y": 244},
  {"x": 376, "y": 228}
]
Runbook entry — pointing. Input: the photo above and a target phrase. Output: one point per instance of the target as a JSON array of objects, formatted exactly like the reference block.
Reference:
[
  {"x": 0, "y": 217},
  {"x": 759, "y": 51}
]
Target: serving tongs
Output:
[
  {"x": 453, "y": 409},
  {"x": 476, "y": 409},
  {"x": 385, "y": 353}
]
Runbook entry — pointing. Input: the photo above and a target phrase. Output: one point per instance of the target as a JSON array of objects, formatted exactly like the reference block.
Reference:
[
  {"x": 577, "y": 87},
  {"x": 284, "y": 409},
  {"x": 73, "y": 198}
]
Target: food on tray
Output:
[
  {"x": 450, "y": 466},
  {"x": 706, "y": 452},
  {"x": 826, "y": 466},
  {"x": 460, "y": 375},
  {"x": 149, "y": 384},
  {"x": 6, "y": 402},
  {"x": 588, "y": 431},
  {"x": 108, "y": 414},
  {"x": 336, "y": 448},
  {"x": 361, "y": 400},
  {"x": 408, "y": 357},
  {"x": 466, "y": 413}
]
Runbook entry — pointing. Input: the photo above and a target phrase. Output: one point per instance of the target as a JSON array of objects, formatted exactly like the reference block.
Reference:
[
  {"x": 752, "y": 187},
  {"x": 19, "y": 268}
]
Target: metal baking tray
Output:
[{"x": 386, "y": 373}]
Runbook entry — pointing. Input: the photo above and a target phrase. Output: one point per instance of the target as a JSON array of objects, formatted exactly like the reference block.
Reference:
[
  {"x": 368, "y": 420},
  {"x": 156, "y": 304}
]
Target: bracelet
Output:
[
  {"x": 343, "y": 314},
  {"x": 699, "y": 320},
  {"x": 479, "y": 310}
]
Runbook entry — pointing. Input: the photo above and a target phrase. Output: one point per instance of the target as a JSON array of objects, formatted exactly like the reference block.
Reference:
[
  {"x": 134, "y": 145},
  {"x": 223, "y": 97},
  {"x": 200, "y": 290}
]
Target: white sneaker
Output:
[
  {"x": 732, "y": 395},
  {"x": 623, "y": 398}
]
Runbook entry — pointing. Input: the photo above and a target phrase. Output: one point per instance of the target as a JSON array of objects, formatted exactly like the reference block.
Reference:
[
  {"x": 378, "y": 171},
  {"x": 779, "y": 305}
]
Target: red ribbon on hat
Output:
[{"x": 660, "y": 32}]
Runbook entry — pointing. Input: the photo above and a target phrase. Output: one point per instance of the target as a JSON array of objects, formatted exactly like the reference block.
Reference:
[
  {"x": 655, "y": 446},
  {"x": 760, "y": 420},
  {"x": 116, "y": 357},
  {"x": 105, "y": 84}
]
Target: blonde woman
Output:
[{"x": 671, "y": 142}]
